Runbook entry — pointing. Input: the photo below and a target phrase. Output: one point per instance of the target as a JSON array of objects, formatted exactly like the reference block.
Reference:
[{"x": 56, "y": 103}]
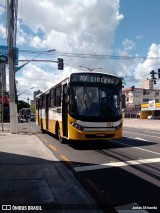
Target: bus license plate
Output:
[{"x": 100, "y": 135}]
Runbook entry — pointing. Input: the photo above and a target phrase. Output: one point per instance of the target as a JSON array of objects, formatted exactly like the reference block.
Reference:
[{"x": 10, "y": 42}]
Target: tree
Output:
[
  {"x": 33, "y": 108},
  {"x": 22, "y": 104},
  {"x": 6, "y": 93}
]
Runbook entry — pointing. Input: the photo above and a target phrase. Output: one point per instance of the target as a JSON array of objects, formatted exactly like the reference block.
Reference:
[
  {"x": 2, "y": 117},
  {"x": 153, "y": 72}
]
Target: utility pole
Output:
[
  {"x": 11, "y": 56},
  {"x": 2, "y": 71}
]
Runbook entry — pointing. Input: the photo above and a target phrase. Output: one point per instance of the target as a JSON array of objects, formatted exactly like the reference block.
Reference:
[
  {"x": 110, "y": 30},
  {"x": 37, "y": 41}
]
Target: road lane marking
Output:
[
  {"x": 141, "y": 134},
  {"x": 52, "y": 147},
  {"x": 146, "y": 150},
  {"x": 67, "y": 160},
  {"x": 153, "y": 132},
  {"x": 92, "y": 184},
  {"x": 116, "y": 164},
  {"x": 141, "y": 139},
  {"x": 136, "y": 138}
]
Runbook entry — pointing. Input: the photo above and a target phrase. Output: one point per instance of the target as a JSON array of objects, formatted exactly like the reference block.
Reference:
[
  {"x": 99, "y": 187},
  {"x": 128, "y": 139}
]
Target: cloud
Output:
[
  {"x": 152, "y": 62},
  {"x": 128, "y": 44},
  {"x": 139, "y": 37},
  {"x": 81, "y": 25},
  {"x": 2, "y": 31},
  {"x": 2, "y": 10},
  {"x": 75, "y": 26}
]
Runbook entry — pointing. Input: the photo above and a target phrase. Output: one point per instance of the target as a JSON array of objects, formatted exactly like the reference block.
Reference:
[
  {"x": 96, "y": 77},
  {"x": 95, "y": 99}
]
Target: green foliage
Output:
[
  {"x": 22, "y": 104},
  {"x": 33, "y": 108},
  {"x": 6, "y": 93}
]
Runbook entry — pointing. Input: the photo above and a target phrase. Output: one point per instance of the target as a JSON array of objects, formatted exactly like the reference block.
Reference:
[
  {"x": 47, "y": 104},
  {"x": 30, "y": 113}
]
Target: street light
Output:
[
  {"x": 28, "y": 99},
  {"x": 48, "y": 51},
  {"x": 90, "y": 69},
  {"x": 25, "y": 91}
]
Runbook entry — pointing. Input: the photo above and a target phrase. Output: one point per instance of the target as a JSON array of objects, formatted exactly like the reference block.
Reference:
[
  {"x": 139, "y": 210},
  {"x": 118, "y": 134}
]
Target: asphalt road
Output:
[{"x": 120, "y": 174}]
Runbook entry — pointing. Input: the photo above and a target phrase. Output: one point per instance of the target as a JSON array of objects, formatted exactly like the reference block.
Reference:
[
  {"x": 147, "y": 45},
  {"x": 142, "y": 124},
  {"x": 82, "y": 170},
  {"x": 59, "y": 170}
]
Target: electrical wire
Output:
[{"x": 95, "y": 56}]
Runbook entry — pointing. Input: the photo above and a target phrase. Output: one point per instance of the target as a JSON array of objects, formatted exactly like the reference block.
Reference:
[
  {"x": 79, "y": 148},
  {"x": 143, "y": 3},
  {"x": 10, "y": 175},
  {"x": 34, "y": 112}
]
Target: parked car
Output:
[
  {"x": 32, "y": 117},
  {"x": 151, "y": 117},
  {"x": 22, "y": 118}
]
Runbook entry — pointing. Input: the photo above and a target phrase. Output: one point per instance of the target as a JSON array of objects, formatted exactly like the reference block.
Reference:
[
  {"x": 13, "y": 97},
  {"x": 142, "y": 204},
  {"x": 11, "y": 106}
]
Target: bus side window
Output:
[
  {"x": 42, "y": 101},
  {"x": 52, "y": 99},
  {"x": 49, "y": 98},
  {"x": 58, "y": 97}
]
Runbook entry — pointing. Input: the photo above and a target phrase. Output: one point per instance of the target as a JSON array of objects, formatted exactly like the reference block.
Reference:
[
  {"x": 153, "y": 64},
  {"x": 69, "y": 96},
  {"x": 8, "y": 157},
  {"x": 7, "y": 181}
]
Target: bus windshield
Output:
[{"x": 92, "y": 101}]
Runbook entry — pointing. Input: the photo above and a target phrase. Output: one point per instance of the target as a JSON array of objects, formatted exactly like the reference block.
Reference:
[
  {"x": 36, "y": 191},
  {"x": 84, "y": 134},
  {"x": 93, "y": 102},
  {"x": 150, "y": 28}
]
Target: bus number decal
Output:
[{"x": 110, "y": 124}]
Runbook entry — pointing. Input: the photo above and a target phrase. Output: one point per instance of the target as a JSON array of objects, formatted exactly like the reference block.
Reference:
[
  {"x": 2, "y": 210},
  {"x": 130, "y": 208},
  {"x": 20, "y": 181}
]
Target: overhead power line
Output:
[{"x": 87, "y": 55}]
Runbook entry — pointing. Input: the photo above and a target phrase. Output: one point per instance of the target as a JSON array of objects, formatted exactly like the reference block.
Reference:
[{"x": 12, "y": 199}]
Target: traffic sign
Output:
[
  {"x": 4, "y": 52},
  {"x": 3, "y": 59}
]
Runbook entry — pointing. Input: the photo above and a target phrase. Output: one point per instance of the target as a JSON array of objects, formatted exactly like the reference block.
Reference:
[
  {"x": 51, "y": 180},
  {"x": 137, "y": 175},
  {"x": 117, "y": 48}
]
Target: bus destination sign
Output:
[{"x": 94, "y": 78}]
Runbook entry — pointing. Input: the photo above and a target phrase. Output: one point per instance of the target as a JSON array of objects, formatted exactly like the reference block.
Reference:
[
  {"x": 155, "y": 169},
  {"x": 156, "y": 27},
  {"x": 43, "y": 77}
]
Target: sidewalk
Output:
[
  {"x": 30, "y": 175},
  {"x": 142, "y": 123}
]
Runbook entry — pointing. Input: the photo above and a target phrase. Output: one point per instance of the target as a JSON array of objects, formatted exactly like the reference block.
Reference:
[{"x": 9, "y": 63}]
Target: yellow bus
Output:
[{"x": 84, "y": 106}]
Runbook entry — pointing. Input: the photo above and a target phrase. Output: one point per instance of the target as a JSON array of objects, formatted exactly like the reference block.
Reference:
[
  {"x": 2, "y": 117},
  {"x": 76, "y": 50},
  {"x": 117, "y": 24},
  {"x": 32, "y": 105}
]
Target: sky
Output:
[{"x": 122, "y": 37}]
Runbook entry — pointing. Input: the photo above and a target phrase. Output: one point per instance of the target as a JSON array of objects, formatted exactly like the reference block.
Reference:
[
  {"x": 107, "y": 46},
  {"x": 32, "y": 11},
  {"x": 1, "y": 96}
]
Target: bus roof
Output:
[{"x": 68, "y": 76}]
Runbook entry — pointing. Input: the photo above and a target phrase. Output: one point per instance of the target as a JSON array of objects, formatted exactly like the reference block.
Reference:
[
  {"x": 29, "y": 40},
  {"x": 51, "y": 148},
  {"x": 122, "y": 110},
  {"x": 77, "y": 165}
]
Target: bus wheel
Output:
[
  {"x": 62, "y": 140},
  {"x": 42, "y": 130}
]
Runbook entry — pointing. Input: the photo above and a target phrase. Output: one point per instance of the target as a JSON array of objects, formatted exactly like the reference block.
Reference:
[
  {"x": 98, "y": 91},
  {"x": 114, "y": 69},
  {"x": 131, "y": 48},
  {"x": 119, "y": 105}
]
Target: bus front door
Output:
[
  {"x": 65, "y": 111},
  {"x": 47, "y": 110},
  {"x": 38, "y": 107}
]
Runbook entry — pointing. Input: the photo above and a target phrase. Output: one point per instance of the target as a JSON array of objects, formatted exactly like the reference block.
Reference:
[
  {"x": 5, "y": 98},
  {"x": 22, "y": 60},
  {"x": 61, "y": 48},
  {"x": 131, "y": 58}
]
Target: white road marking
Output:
[
  {"x": 153, "y": 132},
  {"x": 116, "y": 164},
  {"x": 141, "y": 139},
  {"x": 142, "y": 134},
  {"x": 135, "y": 147},
  {"x": 136, "y": 138}
]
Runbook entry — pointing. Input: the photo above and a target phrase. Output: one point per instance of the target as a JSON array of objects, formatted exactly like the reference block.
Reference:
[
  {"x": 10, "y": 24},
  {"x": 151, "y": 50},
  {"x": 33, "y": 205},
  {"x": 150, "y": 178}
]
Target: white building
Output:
[
  {"x": 148, "y": 84},
  {"x": 135, "y": 97},
  {"x": 35, "y": 93}
]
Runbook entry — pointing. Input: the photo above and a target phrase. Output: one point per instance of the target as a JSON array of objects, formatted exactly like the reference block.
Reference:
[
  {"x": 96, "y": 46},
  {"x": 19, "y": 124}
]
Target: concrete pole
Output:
[
  {"x": 12, "y": 103},
  {"x": 2, "y": 93}
]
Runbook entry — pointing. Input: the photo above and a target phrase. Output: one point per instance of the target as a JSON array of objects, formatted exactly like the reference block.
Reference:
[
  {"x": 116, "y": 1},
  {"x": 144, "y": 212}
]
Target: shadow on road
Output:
[
  {"x": 27, "y": 180},
  {"x": 109, "y": 144}
]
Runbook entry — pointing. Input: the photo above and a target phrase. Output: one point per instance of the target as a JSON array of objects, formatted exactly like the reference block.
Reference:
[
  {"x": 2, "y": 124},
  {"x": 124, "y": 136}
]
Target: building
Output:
[
  {"x": 35, "y": 93},
  {"x": 148, "y": 84},
  {"x": 141, "y": 102}
]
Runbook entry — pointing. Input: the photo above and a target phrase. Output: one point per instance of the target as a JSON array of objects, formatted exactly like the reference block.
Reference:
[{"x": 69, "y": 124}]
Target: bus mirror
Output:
[{"x": 123, "y": 101}]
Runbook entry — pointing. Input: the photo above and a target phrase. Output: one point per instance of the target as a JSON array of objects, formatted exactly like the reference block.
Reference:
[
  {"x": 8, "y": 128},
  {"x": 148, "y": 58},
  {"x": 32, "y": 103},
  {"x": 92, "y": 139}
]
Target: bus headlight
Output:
[
  {"x": 77, "y": 126},
  {"x": 119, "y": 126}
]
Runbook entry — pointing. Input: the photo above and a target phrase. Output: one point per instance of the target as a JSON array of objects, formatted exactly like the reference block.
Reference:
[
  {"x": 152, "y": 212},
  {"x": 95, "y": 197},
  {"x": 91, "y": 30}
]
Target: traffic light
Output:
[
  {"x": 158, "y": 73},
  {"x": 60, "y": 64},
  {"x": 123, "y": 82},
  {"x": 153, "y": 74},
  {"x": 155, "y": 82}
]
